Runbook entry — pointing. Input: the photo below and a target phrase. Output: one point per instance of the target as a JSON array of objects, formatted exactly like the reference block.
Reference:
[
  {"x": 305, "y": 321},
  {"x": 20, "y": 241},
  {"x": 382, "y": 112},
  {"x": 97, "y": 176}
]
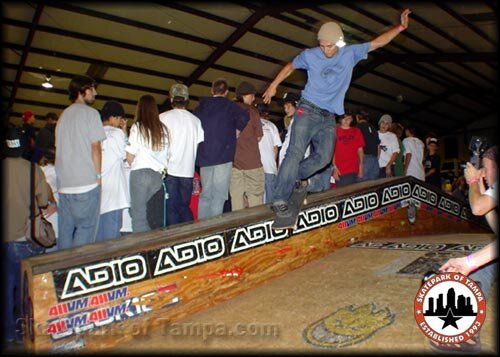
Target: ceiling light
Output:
[{"x": 47, "y": 83}]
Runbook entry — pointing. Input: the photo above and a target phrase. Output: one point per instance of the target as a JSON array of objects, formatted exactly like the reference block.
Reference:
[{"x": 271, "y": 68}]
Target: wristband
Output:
[
  {"x": 401, "y": 28},
  {"x": 472, "y": 180},
  {"x": 98, "y": 175},
  {"x": 470, "y": 263}
]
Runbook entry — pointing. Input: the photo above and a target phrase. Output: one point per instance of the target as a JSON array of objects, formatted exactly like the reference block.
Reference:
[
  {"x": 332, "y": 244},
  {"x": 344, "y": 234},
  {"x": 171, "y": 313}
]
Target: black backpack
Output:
[{"x": 156, "y": 210}]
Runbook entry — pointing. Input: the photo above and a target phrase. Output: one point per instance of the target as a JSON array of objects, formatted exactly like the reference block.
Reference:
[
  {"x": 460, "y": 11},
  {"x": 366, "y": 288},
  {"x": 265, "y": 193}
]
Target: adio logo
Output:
[
  {"x": 190, "y": 253},
  {"x": 449, "y": 206},
  {"x": 396, "y": 193},
  {"x": 316, "y": 217},
  {"x": 360, "y": 204},
  {"x": 425, "y": 195},
  {"x": 254, "y": 235},
  {"x": 103, "y": 276}
]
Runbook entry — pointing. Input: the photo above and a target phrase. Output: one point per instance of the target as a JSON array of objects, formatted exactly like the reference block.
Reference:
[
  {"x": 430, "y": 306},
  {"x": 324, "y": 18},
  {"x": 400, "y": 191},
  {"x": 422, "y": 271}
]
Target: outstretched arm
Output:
[
  {"x": 389, "y": 35},
  {"x": 467, "y": 265},
  {"x": 271, "y": 90}
]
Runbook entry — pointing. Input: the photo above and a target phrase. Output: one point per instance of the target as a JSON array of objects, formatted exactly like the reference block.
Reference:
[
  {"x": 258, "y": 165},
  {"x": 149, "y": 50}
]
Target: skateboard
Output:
[{"x": 295, "y": 203}]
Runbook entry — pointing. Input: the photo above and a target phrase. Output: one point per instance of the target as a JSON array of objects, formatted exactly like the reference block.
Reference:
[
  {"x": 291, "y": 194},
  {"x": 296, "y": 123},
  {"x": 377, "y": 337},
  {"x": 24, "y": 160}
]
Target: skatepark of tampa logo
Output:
[{"x": 450, "y": 308}]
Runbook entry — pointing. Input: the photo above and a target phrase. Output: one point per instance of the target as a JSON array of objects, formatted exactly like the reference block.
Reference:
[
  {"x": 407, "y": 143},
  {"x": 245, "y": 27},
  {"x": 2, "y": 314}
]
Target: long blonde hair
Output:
[{"x": 148, "y": 122}]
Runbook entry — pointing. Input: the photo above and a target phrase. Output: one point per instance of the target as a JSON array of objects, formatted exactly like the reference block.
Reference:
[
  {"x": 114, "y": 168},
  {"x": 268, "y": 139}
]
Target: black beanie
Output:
[{"x": 245, "y": 88}]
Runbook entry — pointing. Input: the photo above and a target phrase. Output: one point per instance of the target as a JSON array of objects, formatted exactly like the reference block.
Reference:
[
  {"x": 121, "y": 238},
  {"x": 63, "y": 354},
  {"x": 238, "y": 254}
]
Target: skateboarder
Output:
[{"x": 329, "y": 68}]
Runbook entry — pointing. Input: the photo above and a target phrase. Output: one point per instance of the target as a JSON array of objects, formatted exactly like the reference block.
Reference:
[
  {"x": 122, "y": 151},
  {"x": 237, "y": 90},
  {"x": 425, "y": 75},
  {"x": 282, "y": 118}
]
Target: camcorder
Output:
[
  {"x": 428, "y": 275},
  {"x": 477, "y": 147}
]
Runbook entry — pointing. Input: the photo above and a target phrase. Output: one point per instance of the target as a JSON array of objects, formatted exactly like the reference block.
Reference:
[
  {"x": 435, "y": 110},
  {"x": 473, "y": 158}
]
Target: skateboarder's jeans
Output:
[
  {"x": 269, "y": 183},
  {"x": 320, "y": 181},
  {"x": 310, "y": 125}
]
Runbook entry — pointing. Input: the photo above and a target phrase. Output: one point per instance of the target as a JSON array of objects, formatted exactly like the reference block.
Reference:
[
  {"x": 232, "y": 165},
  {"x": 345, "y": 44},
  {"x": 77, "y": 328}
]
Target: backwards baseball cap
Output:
[
  {"x": 386, "y": 117},
  {"x": 331, "y": 31},
  {"x": 27, "y": 115},
  {"x": 245, "y": 88},
  {"x": 14, "y": 143},
  {"x": 433, "y": 141},
  {"x": 290, "y": 98},
  {"x": 112, "y": 109},
  {"x": 179, "y": 90}
]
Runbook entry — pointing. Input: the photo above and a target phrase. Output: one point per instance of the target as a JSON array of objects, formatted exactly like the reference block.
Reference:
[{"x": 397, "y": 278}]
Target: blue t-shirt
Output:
[{"x": 329, "y": 78}]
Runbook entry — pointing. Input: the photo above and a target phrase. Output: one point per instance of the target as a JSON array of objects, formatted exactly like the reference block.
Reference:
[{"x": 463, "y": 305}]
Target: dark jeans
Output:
[
  {"x": 310, "y": 125},
  {"x": 347, "y": 179},
  {"x": 383, "y": 174},
  {"x": 179, "y": 196},
  {"x": 320, "y": 181},
  {"x": 371, "y": 168},
  {"x": 13, "y": 253}
]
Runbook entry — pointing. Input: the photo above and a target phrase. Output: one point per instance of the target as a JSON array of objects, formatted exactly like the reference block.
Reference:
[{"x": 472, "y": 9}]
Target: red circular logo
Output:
[{"x": 450, "y": 308}]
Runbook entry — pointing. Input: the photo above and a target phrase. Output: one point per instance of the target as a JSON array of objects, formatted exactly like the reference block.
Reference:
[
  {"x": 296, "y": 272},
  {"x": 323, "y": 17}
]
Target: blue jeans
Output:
[
  {"x": 485, "y": 276},
  {"x": 13, "y": 253},
  {"x": 346, "y": 179},
  {"x": 78, "y": 218},
  {"x": 269, "y": 183},
  {"x": 144, "y": 183},
  {"x": 179, "y": 191},
  {"x": 215, "y": 181},
  {"x": 382, "y": 172},
  {"x": 320, "y": 181},
  {"x": 110, "y": 224},
  {"x": 313, "y": 125},
  {"x": 371, "y": 168}
]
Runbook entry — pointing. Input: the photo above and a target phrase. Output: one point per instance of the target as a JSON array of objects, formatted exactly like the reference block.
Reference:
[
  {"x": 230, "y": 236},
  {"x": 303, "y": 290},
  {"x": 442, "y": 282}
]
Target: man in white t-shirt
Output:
[
  {"x": 414, "y": 155},
  {"x": 268, "y": 147},
  {"x": 186, "y": 133},
  {"x": 389, "y": 147}
]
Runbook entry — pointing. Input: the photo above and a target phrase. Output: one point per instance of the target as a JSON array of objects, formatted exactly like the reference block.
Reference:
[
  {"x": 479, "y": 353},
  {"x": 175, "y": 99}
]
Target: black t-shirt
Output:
[
  {"x": 28, "y": 134},
  {"x": 370, "y": 135},
  {"x": 46, "y": 137},
  {"x": 433, "y": 162}
]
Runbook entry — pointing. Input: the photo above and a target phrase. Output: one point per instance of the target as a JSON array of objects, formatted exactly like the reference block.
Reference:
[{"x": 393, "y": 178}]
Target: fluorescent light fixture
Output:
[{"x": 47, "y": 83}]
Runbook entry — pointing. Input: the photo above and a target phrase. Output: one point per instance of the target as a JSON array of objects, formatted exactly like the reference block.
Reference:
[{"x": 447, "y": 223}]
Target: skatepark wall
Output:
[{"x": 107, "y": 294}]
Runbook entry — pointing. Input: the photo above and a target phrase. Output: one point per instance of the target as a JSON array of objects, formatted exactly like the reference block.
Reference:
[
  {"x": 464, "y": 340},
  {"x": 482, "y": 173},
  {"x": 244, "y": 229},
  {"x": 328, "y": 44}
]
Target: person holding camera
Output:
[{"x": 481, "y": 266}]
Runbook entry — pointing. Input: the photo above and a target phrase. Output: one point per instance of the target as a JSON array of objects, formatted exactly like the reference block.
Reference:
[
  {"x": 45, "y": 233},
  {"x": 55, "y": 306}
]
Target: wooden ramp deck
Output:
[
  {"x": 372, "y": 277},
  {"x": 108, "y": 295}
]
